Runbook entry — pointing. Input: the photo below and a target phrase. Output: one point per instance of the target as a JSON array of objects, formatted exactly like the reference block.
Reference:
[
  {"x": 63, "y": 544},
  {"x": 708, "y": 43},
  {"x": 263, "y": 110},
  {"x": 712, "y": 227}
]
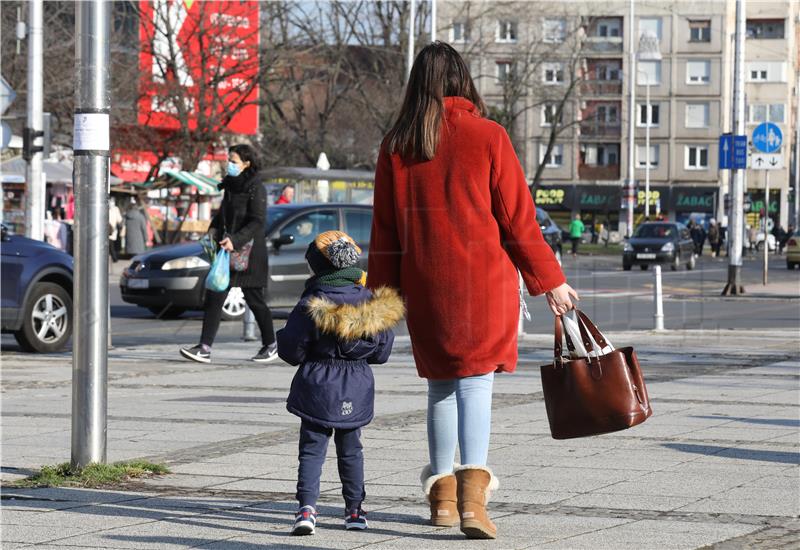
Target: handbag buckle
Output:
[{"x": 558, "y": 362}]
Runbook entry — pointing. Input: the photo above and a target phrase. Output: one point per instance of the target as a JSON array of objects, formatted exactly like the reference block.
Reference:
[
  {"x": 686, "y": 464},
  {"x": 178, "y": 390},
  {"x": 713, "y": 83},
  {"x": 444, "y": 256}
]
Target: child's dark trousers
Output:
[{"x": 350, "y": 458}]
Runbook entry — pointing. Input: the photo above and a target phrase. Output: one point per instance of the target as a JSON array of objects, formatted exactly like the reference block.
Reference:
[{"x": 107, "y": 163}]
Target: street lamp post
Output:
[{"x": 648, "y": 51}]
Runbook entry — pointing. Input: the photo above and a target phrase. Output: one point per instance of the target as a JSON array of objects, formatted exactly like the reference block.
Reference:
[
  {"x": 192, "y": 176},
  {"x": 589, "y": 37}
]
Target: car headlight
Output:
[
  {"x": 185, "y": 263},
  {"x": 627, "y": 248},
  {"x": 669, "y": 247}
]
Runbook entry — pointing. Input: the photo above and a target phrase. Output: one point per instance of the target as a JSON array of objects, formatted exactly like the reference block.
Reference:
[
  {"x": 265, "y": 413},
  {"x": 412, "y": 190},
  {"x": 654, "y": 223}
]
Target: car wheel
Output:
[
  {"x": 676, "y": 263},
  {"x": 234, "y": 305},
  {"x": 760, "y": 246},
  {"x": 47, "y": 324},
  {"x": 691, "y": 263},
  {"x": 626, "y": 266},
  {"x": 791, "y": 265},
  {"x": 167, "y": 312},
  {"x": 644, "y": 267}
]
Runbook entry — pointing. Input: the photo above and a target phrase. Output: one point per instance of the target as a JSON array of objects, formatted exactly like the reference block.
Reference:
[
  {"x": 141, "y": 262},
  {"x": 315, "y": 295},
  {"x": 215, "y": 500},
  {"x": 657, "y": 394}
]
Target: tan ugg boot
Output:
[
  {"x": 475, "y": 484},
  {"x": 441, "y": 492}
]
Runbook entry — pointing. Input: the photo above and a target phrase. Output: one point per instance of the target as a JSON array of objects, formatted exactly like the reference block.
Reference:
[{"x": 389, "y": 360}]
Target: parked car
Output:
[
  {"x": 659, "y": 243},
  {"x": 171, "y": 279},
  {"x": 550, "y": 231},
  {"x": 793, "y": 251},
  {"x": 36, "y": 293},
  {"x": 772, "y": 243}
]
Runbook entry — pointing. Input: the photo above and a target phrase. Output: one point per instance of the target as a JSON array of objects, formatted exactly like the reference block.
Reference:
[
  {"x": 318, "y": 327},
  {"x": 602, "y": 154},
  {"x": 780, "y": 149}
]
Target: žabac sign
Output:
[{"x": 175, "y": 77}]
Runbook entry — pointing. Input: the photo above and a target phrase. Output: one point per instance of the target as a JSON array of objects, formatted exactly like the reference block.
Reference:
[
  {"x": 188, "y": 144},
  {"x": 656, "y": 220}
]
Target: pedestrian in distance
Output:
[
  {"x": 336, "y": 331},
  {"x": 780, "y": 237},
  {"x": 576, "y": 229},
  {"x": 240, "y": 221},
  {"x": 287, "y": 195},
  {"x": 453, "y": 221},
  {"x": 114, "y": 229},
  {"x": 714, "y": 237},
  {"x": 135, "y": 229},
  {"x": 698, "y": 234},
  {"x": 786, "y": 236}
]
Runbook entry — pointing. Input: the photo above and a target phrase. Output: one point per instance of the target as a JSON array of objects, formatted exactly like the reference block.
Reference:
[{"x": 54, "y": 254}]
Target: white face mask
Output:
[{"x": 234, "y": 169}]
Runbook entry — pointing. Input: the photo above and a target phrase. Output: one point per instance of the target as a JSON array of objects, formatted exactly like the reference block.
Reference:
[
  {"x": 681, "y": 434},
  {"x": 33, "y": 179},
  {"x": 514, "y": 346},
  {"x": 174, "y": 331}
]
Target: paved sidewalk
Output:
[{"x": 717, "y": 465}]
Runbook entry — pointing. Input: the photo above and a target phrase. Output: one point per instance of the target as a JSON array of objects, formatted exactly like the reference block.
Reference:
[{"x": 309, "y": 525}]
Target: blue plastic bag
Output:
[{"x": 219, "y": 276}]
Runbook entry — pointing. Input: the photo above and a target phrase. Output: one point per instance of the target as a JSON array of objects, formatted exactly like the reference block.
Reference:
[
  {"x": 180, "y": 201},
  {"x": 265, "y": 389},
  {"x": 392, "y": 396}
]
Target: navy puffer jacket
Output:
[{"x": 334, "y": 334}]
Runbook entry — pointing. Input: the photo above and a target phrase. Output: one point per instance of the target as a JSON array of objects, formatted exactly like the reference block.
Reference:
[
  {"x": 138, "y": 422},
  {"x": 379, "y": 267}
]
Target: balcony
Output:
[
  {"x": 601, "y": 87},
  {"x": 597, "y": 172},
  {"x": 599, "y": 129},
  {"x": 603, "y": 44}
]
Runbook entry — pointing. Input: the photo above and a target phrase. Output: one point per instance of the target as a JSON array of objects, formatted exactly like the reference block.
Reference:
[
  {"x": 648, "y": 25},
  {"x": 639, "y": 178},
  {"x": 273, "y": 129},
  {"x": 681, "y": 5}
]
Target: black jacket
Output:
[{"x": 243, "y": 216}]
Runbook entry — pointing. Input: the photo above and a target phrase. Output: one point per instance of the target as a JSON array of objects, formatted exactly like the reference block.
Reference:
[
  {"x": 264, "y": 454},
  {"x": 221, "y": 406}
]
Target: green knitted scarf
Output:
[{"x": 341, "y": 277}]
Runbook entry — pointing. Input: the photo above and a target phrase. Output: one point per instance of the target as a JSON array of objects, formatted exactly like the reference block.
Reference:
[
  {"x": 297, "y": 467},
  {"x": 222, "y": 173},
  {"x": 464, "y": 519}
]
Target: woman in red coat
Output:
[{"x": 453, "y": 222}]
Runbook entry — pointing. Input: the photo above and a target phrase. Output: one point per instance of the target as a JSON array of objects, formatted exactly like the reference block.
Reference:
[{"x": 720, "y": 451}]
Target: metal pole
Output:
[
  {"x": 629, "y": 183},
  {"x": 766, "y": 228},
  {"x": 797, "y": 157},
  {"x": 34, "y": 203},
  {"x": 433, "y": 20},
  {"x": 411, "y": 32},
  {"x": 647, "y": 153},
  {"x": 736, "y": 214},
  {"x": 658, "y": 299},
  {"x": 91, "y": 165}
]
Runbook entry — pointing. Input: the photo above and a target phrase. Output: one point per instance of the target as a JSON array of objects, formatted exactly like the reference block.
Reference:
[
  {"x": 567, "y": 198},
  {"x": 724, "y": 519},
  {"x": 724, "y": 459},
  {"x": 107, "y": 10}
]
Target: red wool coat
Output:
[{"x": 449, "y": 234}]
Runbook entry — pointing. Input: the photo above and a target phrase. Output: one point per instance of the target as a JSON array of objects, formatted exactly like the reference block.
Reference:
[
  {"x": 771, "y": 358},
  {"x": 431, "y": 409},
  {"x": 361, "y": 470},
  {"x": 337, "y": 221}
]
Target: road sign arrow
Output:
[
  {"x": 760, "y": 161},
  {"x": 773, "y": 161}
]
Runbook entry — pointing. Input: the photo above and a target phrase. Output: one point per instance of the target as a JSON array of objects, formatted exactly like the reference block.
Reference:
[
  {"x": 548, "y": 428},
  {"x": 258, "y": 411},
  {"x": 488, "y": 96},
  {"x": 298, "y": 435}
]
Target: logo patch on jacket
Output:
[{"x": 347, "y": 407}]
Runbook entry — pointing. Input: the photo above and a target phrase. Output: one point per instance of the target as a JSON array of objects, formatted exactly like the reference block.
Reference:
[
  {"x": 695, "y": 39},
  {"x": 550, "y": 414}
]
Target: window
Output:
[
  {"x": 608, "y": 71},
  {"x": 608, "y": 27},
  {"x": 607, "y": 113},
  {"x": 506, "y": 31},
  {"x": 459, "y": 32},
  {"x": 553, "y": 73},
  {"x": 358, "y": 224},
  {"x": 554, "y": 30},
  {"x": 649, "y": 73},
  {"x": 641, "y": 156},
  {"x": 773, "y": 112},
  {"x": 696, "y": 157},
  {"x": 766, "y": 71},
  {"x": 700, "y": 30},
  {"x": 504, "y": 71},
  {"x": 556, "y": 157},
  {"x": 601, "y": 154},
  {"x": 698, "y": 72},
  {"x": 651, "y": 24},
  {"x": 653, "y": 119},
  {"x": 697, "y": 115},
  {"x": 549, "y": 114},
  {"x": 305, "y": 228},
  {"x": 765, "y": 28}
]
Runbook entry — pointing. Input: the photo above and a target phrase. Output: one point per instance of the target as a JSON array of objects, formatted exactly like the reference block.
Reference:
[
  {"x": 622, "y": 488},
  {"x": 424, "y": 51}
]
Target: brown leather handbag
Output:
[{"x": 593, "y": 395}]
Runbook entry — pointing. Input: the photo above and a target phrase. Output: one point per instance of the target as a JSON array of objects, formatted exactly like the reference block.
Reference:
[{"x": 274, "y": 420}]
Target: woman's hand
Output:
[
  {"x": 226, "y": 244},
  {"x": 560, "y": 299}
]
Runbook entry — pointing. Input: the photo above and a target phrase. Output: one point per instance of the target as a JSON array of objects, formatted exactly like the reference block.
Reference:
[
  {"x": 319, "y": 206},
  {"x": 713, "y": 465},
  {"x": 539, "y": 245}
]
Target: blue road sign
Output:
[
  {"x": 739, "y": 152},
  {"x": 725, "y": 152},
  {"x": 767, "y": 137}
]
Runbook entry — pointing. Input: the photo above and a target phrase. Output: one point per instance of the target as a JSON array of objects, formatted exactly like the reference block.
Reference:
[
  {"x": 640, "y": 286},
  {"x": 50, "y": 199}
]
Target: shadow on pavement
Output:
[
  {"x": 781, "y": 457},
  {"x": 790, "y": 422}
]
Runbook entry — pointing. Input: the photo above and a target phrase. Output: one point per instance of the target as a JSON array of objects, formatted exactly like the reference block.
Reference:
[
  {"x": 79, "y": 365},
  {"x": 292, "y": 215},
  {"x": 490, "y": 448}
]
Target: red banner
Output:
[{"x": 199, "y": 65}]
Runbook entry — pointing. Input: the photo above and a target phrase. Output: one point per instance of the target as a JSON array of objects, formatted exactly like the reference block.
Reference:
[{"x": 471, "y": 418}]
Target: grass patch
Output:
[
  {"x": 93, "y": 475},
  {"x": 598, "y": 249}
]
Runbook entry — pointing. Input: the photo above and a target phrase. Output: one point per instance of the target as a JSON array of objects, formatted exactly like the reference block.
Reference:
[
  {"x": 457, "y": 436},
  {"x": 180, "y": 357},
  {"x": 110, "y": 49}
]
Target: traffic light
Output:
[{"x": 29, "y": 135}]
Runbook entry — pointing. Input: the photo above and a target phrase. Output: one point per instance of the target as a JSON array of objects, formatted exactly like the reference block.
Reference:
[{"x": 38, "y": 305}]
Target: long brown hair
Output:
[{"x": 438, "y": 72}]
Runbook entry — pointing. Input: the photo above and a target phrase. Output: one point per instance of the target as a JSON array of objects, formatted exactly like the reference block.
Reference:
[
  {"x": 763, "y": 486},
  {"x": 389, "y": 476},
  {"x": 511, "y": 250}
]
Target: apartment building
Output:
[{"x": 584, "y": 46}]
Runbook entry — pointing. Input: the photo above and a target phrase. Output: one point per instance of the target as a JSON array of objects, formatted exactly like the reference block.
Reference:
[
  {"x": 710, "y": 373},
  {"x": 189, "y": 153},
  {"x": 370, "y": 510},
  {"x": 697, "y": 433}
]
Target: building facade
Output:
[{"x": 540, "y": 64}]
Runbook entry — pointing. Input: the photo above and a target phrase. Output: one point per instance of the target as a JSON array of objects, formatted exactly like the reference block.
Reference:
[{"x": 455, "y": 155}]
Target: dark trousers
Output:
[
  {"x": 112, "y": 250},
  {"x": 350, "y": 459},
  {"x": 255, "y": 300},
  {"x": 575, "y": 242}
]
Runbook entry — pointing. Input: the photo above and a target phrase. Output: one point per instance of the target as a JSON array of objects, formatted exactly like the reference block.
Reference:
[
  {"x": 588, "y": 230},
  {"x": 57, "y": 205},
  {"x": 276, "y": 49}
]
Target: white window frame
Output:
[
  {"x": 767, "y": 113},
  {"x": 557, "y": 154},
  {"x": 707, "y": 107},
  {"x": 509, "y": 73},
  {"x": 654, "y": 107},
  {"x": 555, "y": 67},
  {"x": 705, "y": 30},
  {"x": 607, "y": 68},
  {"x": 549, "y": 107},
  {"x": 639, "y": 74},
  {"x": 659, "y": 26},
  {"x": 641, "y": 155},
  {"x": 611, "y": 24},
  {"x": 698, "y": 80},
  {"x": 697, "y": 165},
  {"x": 554, "y": 34},
  {"x": 464, "y": 32},
  {"x": 766, "y": 71},
  {"x": 506, "y": 27}
]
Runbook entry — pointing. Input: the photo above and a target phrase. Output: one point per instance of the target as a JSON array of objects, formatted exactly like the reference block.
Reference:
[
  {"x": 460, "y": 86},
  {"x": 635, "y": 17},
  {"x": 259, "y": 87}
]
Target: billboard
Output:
[{"x": 199, "y": 65}]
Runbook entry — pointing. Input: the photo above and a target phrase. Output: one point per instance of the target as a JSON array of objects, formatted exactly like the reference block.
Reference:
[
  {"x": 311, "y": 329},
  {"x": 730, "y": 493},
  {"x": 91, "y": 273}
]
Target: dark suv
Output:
[{"x": 36, "y": 293}]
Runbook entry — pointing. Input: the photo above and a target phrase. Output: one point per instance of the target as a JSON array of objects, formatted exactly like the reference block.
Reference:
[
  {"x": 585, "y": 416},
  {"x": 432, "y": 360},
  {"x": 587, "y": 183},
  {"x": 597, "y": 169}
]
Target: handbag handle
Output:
[
  {"x": 586, "y": 327},
  {"x": 560, "y": 335},
  {"x": 583, "y": 320}
]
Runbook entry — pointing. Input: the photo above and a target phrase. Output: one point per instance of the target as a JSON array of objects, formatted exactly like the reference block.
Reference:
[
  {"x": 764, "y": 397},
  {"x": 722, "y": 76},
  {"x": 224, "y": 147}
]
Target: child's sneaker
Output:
[
  {"x": 355, "y": 519},
  {"x": 305, "y": 521}
]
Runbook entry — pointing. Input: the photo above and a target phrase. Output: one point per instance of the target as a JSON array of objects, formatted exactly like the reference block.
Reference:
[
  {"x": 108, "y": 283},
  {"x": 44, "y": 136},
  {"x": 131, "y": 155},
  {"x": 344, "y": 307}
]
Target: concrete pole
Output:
[
  {"x": 658, "y": 299},
  {"x": 629, "y": 182},
  {"x": 34, "y": 195},
  {"x": 797, "y": 156},
  {"x": 411, "y": 33},
  {"x": 433, "y": 20},
  {"x": 91, "y": 166},
  {"x": 736, "y": 214},
  {"x": 249, "y": 325},
  {"x": 647, "y": 156},
  {"x": 766, "y": 227}
]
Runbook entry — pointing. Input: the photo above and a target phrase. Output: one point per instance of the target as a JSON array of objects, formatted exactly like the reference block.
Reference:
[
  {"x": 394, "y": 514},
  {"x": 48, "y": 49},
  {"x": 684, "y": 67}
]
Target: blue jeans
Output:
[{"x": 459, "y": 412}]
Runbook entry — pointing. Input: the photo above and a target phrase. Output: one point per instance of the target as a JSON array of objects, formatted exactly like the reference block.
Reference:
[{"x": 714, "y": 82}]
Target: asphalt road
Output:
[{"x": 614, "y": 299}]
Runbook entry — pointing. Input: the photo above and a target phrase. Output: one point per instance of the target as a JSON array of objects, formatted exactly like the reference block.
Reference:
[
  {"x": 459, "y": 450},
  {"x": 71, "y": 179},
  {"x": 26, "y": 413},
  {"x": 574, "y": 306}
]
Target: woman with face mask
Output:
[{"x": 239, "y": 224}]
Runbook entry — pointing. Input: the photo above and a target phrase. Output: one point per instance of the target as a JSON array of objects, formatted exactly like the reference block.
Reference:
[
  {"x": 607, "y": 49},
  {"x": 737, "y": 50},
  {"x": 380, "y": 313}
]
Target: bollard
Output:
[
  {"x": 658, "y": 317},
  {"x": 249, "y": 325}
]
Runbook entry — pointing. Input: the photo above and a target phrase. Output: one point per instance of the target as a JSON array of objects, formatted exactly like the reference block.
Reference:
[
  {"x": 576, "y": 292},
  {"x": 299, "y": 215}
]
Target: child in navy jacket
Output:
[{"x": 334, "y": 333}]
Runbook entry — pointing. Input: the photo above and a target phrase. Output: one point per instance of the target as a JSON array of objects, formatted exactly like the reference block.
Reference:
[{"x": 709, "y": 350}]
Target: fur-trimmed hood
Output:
[{"x": 350, "y": 321}]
